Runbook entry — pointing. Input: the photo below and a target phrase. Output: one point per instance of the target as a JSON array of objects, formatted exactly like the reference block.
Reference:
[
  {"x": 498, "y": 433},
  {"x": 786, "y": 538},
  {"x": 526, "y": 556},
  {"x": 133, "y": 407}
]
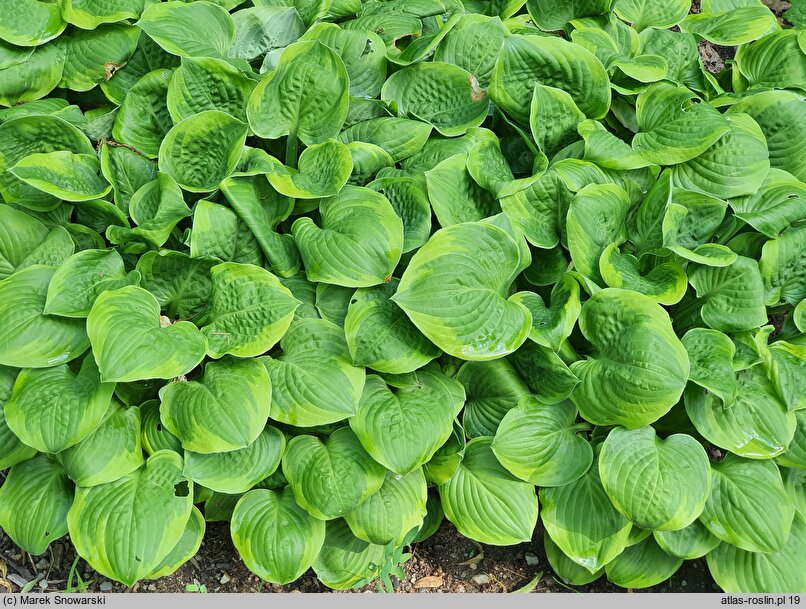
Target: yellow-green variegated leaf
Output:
[
  {"x": 582, "y": 521},
  {"x": 237, "y": 471},
  {"x": 783, "y": 267},
  {"x": 276, "y": 538},
  {"x": 711, "y": 356},
  {"x": 639, "y": 367},
  {"x": 456, "y": 286},
  {"x": 314, "y": 381},
  {"x": 400, "y": 137},
  {"x": 693, "y": 541},
  {"x": 390, "y": 514},
  {"x": 332, "y": 477},
  {"x": 380, "y": 336},
  {"x": 33, "y": 78},
  {"x": 757, "y": 424},
  {"x": 779, "y": 202},
  {"x": 403, "y": 421},
  {"x": 30, "y": 23},
  {"x": 455, "y": 197},
  {"x": 323, "y": 169},
  {"x": 739, "y": 571},
  {"x": 347, "y": 562},
  {"x": 189, "y": 29},
  {"x": 553, "y": 15},
  {"x": 89, "y": 14},
  {"x": 659, "y": 484},
  {"x": 13, "y": 450},
  {"x": 181, "y": 284},
  {"x": 553, "y": 119},
  {"x": 486, "y": 502},
  {"x": 359, "y": 243},
  {"x": 541, "y": 444},
  {"x": 155, "y": 436},
  {"x": 225, "y": 409},
  {"x": 219, "y": 233},
  {"x": 34, "y": 501},
  {"x": 131, "y": 341},
  {"x": 408, "y": 195},
  {"x": 776, "y": 61},
  {"x": 202, "y": 150},
  {"x": 606, "y": 149},
  {"x": 552, "y": 324},
  {"x": 642, "y": 565},
  {"x": 473, "y": 44},
  {"x": 90, "y": 55},
  {"x": 305, "y": 96},
  {"x": 665, "y": 283},
  {"x": 748, "y": 507},
  {"x": 208, "y": 83},
  {"x": 647, "y": 13},
  {"x": 250, "y": 311},
  {"x": 21, "y": 235},
  {"x": 125, "y": 528},
  {"x": 28, "y": 337},
  {"x": 185, "y": 548},
  {"x": 729, "y": 23},
  {"x": 569, "y": 571},
  {"x": 539, "y": 210},
  {"x": 492, "y": 389},
  {"x": 110, "y": 452}
]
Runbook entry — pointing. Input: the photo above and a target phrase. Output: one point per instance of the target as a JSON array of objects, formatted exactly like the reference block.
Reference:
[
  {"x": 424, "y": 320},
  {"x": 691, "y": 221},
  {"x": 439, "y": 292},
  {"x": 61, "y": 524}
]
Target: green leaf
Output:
[
  {"x": 552, "y": 324},
  {"x": 150, "y": 508},
  {"x": 539, "y": 210},
  {"x": 313, "y": 381},
  {"x": 455, "y": 197},
  {"x": 485, "y": 502},
  {"x": 380, "y": 336},
  {"x": 473, "y": 44},
  {"x": 783, "y": 267},
  {"x": 567, "y": 570},
  {"x": 185, "y": 548},
  {"x": 208, "y": 83},
  {"x": 646, "y": 13},
  {"x": 554, "y": 15},
  {"x": 359, "y": 243},
  {"x": 409, "y": 198},
  {"x": 737, "y": 570},
  {"x": 455, "y": 291},
  {"x": 110, "y": 452},
  {"x": 544, "y": 372},
  {"x": 785, "y": 363},
  {"x": 219, "y": 233},
  {"x": 733, "y": 296},
  {"x": 143, "y": 119},
  {"x": 403, "y": 421},
  {"x": 583, "y": 523},
  {"x": 675, "y": 125},
  {"x": 776, "y": 61},
  {"x": 225, "y": 409},
  {"x": 262, "y": 29},
  {"x": 665, "y": 283},
  {"x": 493, "y": 388},
  {"x": 779, "y": 202},
  {"x": 748, "y": 506},
  {"x": 239, "y": 470},
  {"x": 30, "y": 23},
  {"x": 541, "y": 444},
  {"x": 20, "y": 236},
  {"x": 189, "y": 29},
  {"x": 606, "y": 149},
  {"x": 202, "y": 150},
  {"x": 658, "y": 484},
  {"x": 711, "y": 354},
  {"x": 347, "y": 562},
  {"x": 130, "y": 342},
  {"x": 250, "y": 311},
  {"x": 731, "y": 25},
  {"x": 155, "y": 436},
  {"x": 13, "y": 451},
  {"x": 388, "y": 516},
  {"x": 333, "y": 477},
  {"x": 323, "y": 170},
  {"x": 693, "y": 541},
  {"x": 91, "y": 55},
  {"x": 34, "y": 501},
  {"x": 89, "y": 14},
  {"x": 310, "y": 78},
  {"x": 28, "y": 337},
  {"x": 642, "y": 565},
  {"x": 52, "y": 409},
  {"x": 34, "y": 78},
  {"x": 757, "y": 424},
  {"x": 553, "y": 119},
  {"x": 627, "y": 381},
  {"x": 181, "y": 284}
]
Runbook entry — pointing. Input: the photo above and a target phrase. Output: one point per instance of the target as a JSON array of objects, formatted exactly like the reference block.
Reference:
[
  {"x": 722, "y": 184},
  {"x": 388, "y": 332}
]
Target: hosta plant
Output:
[{"x": 334, "y": 270}]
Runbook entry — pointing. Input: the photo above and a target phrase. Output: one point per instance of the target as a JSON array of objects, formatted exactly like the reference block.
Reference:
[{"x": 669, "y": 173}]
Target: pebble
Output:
[
  {"x": 151, "y": 588},
  {"x": 225, "y": 579},
  {"x": 531, "y": 559},
  {"x": 43, "y": 584},
  {"x": 481, "y": 579},
  {"x": 106, "y": 586}
]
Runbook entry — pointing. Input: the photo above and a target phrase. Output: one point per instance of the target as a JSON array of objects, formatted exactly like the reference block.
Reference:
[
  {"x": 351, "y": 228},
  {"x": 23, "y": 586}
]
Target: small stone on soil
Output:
[
  {"x": 481, "y": 579},
  {"x": 531, "y": 559},
  {"x": 106, "y": 586},
  {"x": 225, "y": 579}
]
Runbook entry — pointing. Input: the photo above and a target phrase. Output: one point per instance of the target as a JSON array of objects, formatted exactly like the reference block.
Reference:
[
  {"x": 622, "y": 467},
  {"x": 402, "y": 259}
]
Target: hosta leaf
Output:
[
  {"x": 757, "y": 424},
  {"x": 237, "y": 471},
  {"x": 775, "y": 61},
  {"x": 693, "y": 541},
  {"x": 189, "y": 29},
  {"x": 400, "y": 137},
  {"x": 748, "y": 506},
  {"x": 552, "y": 324},
  {"x": 346, "y": 561},
  {"x": 28, "y": 337},
  {"x": 455, "y": 197},
  {"x": 540, "y": 444},
  {"x": 310, "y": 78},
  {"x": 323, "y": 170},
  {"x": 66, "y": 176},
  {"x": 403, "y": 421},
  {"x": 52, "y": 409},
  {"x": 20, "y": 235},
  {"x": 795, "y": 456},
  {"x": 553, "y": 119},
  {"x": 143, "y": 119},
  {"x": 539, "y": 210},
  {"x": 388, "y": 516},
  {"x": 544, "y": 372},
  {"x": 34, "y": 501},
  {"x": 89, "y": 14},
  {"x": 359, "y": 243},
  {"x": 711, "y": 354},
  {"x": 665, "y": 283},
  {"x": 528, "y": 60},
  {"x": 380, "y": 336},
  {"x": 675, "y": 125},
  {"x": 626, "y": 381},
  {"x": 659, "y": 484},
  {"x": 733, "y": 296},
  {"x": 30, "y": 23},
  {"x": 261, "y": 29},
  {"x": 486, "y": 502},
  {"x": 734, "y": 26},
  {"x": 219, "y": 233},
  {"x": 332, "y": 302},
  {"x": 33, "y": 79},
  {"x": 208, "y": 83},
  {"x": 606, "y": 149},
  {"x": 645, "y": 13},
  {"x": 783, "y": 267},
  {"x": 181, "y": 284},
  {"x": 779, "y": 202},
  {"x": 583, "y": 523},
  {"x": 78, "y": 282},
  {"x": 454, "y": 290},
  {"x": 473, "y": 44},
  {"x": 408, "y": 195},
  {"x": 13, "y": 450},
  {"x": 155, "y": 436},
  {"x": 250, "y": 311},
  {"x": 185, "y": 548},
  {"x": 92, "y": 55},
  {"x": 493, "y": 388},
  {"x": 314, "y": 381},
  {"x": 642, "y": 565},
  {"x": 130, "y": 343},
  {"x": 110, "y": 452},
  {"x": 188, "y": 155},
  {"x": 737, "y": 570},
  {"x": 225, "y": 409},
  {"x": 125, "y": 528},
  {"x": 554, "y": 15},
  {"x": 333, "y": 477},
  {"x": 569, "y": 571}
]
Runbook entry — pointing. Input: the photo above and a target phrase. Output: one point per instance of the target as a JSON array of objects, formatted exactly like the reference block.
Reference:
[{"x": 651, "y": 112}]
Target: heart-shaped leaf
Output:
[
  {"x": 492, "y": 389},
  {"x": 64, "y": 175},
  {"x": 347, "y": 562},
  {"x": 208, "y": 83},
  {"x": 693, "y": 541},
  {"x": 185, "y": 548},
  {"x": 711, "y": 356},
  {"x": 189, "y": 29},
  {"x": 642, "y": 565},
  {"x": 322, "y": 171}
]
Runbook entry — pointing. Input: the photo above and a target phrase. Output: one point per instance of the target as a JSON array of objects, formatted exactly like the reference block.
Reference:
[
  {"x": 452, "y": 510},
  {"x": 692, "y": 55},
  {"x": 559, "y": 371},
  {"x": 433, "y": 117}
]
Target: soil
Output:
[{"x": 447, "y": 562}]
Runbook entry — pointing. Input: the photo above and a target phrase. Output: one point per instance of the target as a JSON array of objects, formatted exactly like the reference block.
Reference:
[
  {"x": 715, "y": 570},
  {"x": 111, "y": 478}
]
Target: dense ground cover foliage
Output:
[{"x": 334, "y": 270}]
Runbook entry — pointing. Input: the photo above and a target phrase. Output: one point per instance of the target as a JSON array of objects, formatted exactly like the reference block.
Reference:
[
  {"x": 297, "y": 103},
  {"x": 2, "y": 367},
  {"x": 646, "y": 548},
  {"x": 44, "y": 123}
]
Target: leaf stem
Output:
[
  {"x": 567, "y": 353},
  {"x": 291, "y": 150}
]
